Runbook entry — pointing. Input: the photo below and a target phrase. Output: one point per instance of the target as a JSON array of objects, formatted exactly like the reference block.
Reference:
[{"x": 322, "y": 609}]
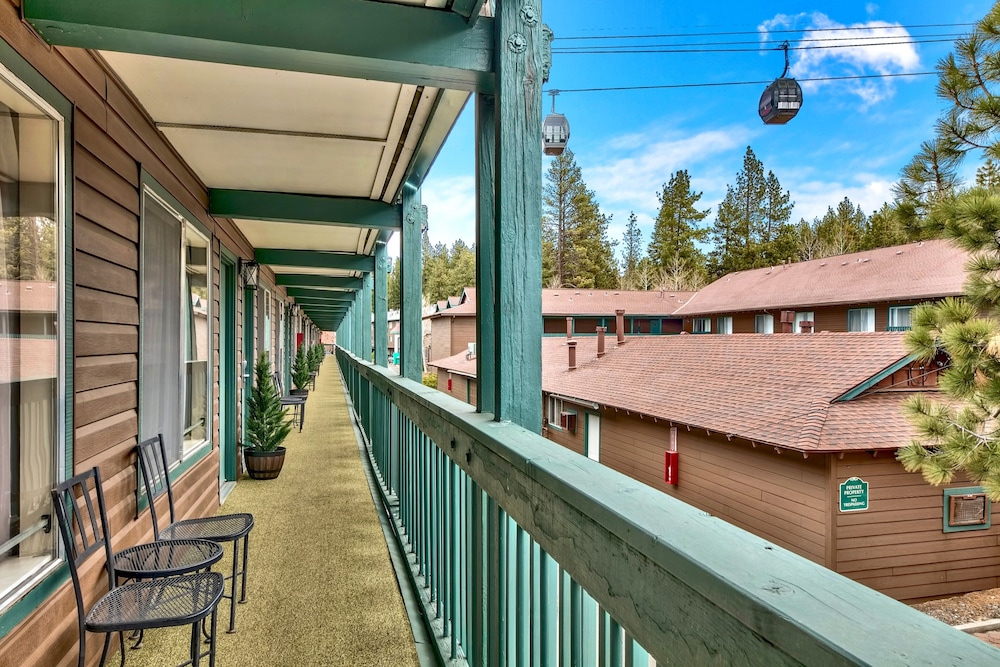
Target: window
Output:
[
  {"x": 175, "y": 329},
  {"x": 763, "y": 324},
  {"x": 701, "y": 325},
  {"x": 31, "y": 313},
  {"x": 724, "y": 324},
  {"x": 861, "y": 319},
  {"x": 800, "y": 317},
  {"x": 555, "y": 406},
  {"x": 899, "y": 318}
]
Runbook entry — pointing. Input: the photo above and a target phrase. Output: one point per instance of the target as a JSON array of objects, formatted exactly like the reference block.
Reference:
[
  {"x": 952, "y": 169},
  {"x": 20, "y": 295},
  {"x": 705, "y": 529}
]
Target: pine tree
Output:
[
  {"x": 393, "y": 298},
  {"x": 267, "y": 426},
  {"x": 841, "y": 229},
  {"x": 576, "y": 249},
  {"x": 631, "y": 250},
  {"x": 967, "y": 82},
  {"x": 960, "y": 434},
  {"x": 988, "y": 175},
  {"x": 676, "y": 231}
]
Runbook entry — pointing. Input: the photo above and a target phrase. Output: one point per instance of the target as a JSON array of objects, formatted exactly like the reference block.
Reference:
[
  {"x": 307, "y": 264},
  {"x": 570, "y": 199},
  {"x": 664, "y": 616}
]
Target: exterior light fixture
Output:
[
  {"x": 249, "y": 273},
  {"x": 293, "y": 309}
]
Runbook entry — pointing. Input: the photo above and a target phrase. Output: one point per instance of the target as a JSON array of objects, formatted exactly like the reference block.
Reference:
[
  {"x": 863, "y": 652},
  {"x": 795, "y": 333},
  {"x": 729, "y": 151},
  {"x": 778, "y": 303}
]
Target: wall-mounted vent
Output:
[
  {"x": 966, "y": 509},
  {"x": 471, "y": 354}
]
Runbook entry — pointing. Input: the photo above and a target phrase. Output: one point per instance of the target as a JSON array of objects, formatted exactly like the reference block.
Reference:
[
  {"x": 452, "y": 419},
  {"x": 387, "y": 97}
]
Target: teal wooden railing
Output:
[{"x": 526, "y": 553}]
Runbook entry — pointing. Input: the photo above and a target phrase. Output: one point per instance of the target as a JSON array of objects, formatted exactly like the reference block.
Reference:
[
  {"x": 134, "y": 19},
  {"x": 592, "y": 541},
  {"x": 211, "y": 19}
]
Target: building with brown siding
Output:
[
  {"x": 872, "y": 290},
  {"x": 766, "y": 429},
  {"x": 124, "y": 310}
]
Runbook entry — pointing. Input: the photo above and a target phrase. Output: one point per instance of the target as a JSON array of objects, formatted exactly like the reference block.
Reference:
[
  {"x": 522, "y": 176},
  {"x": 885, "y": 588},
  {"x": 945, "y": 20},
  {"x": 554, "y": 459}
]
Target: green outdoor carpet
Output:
[{"x": 321, "y": 588}]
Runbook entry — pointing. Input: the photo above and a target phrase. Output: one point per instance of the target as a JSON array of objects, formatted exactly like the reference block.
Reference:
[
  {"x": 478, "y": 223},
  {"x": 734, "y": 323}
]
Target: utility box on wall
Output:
[{"x": 670, "y": 467}]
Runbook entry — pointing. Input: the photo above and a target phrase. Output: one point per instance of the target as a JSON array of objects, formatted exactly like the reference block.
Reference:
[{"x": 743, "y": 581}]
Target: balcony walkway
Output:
[{"x": 321, "y": 590}]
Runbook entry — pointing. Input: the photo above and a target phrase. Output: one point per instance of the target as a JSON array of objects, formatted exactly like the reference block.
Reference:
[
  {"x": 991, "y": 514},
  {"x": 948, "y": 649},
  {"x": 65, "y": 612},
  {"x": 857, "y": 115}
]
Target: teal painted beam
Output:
[
  {"x": 320, "y": 294},
  {"x": 366, "y": 317},
  {"x": 485, "y": 253},
  {"x": 380, "y": 306},
  {"x": 311, "y": 280},
  {"x": 351, "y": 38},
  {"x": 517, "y": 244},
  {"x": 309, "y": 209},
  {"x": 470, "y": 9},
  {"x": 315, "y": 259},
  {"x": 411, "y": 287}
]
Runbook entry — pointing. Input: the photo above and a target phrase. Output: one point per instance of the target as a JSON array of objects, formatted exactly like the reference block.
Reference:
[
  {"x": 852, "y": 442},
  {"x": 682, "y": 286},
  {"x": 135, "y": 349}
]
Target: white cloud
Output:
[
  {"x": 813, "y": 198},
  {"x": 629, "y": 174},
  {"x": 871, "y": 47}
]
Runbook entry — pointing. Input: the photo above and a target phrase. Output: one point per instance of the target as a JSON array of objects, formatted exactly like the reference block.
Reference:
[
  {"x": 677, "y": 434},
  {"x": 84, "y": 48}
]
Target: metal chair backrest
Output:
[
  {"x": 83, "y": 529},
  {"x": 155, "y": 477},
  {"x": 277, "y": 383}
]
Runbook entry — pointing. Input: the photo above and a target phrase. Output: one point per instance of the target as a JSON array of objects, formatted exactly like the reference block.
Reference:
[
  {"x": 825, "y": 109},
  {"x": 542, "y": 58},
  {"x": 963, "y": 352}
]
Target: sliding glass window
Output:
[
  {"x": 31, "y": 326},
  {"x": 176, "y": 336}
]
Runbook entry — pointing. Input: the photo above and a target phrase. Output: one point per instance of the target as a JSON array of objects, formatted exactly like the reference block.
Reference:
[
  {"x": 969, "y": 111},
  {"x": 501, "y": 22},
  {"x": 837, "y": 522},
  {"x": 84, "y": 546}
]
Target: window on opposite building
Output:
[
  {"x": 899, "y": 318},
  {"x": 724, "y": 325},
  {"x": 861, "y": 319},
  {"x": 763, "y": 324},
  {"x": 701, "y": 325}
]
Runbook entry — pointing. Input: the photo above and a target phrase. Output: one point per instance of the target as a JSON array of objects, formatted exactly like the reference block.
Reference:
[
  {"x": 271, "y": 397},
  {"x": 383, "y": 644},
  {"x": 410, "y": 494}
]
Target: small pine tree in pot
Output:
[
  {"x": 266, "y": 426},
  {"x": 316, "y": 354},
  {"x": 300, "y": 372}
]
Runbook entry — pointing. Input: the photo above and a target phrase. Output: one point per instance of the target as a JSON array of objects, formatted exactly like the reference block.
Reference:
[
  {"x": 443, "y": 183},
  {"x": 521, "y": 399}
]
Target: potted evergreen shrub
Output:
[
  {"x": 300, "y": 372},
  {"x": 266, "y": 425},
  {"x": 316, "y": 354}
]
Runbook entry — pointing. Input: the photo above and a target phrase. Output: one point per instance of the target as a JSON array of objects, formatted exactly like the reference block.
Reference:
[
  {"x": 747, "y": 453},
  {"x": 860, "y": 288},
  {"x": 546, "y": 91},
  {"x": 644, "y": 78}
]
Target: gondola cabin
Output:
[
  {"x": 780, "y": 102},
  {"x": 555, "y": 134}
]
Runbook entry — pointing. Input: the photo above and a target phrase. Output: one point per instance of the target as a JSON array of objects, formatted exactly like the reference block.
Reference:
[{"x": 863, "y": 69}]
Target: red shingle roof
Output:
[
  {"x": 911, "y": 272},
  {"x": 24, "y": 359},
  {"x": 457, "y": 363},
  {"x": 605, "y": 302},
  {"x": 564, "y": 302},
  {"x": 771, "y": 389}
]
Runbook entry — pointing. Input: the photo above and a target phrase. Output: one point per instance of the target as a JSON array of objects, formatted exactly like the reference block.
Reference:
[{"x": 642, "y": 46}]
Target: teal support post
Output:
[
  {"x": 485, "y": 253},
  {"x": 519, "y": 45},
  {"x": 366, "y": 317},
  {"x": 359, "y": 326},
  {"x": 381, "y": 304},
  {"x": 411, "y": 287}
]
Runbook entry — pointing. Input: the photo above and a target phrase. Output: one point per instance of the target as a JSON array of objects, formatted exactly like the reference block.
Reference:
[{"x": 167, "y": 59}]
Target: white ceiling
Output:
[{"x": 299, "y": 236}]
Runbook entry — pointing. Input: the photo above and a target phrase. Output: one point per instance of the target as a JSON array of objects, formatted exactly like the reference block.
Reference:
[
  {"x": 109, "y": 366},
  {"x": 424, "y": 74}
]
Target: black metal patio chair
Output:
[
  {"x": 234, "y": 528},
  {"x": 185, "y": 599},
  {"x": 298, "y": 403}
]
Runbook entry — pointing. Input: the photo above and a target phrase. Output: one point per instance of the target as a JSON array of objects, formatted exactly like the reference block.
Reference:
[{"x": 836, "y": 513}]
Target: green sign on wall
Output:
[{"x": 853, "y": 495}]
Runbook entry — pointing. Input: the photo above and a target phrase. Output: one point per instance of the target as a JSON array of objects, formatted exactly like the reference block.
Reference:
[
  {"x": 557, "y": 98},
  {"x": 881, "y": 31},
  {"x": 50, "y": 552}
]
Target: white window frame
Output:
[
  {"x": 701, "y": 325},
  {"x": 724, "y": 325},
  {"x": 30, "y": 578},
  {"x": 763, "y": 323},
  {"x": 555, "y": 407},
  {"x": 803, "y": 316},
  {"x": 868, "y": 319}
]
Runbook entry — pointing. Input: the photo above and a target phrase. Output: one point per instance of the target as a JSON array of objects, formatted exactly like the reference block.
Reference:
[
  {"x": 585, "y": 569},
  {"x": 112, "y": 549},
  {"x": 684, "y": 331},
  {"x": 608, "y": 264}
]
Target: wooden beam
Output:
[
  {"x": 351, "y": 38},
  {"x": 485, "y": 252},
  {"x": 519, "y": 46},
  {"x": 324, "y": 295},
  {"x": 312, "y": 280},
  {"x": 308, "y": 209},
  {"x": 411, "y": 286},
  {"x": 315, "y": 259}
]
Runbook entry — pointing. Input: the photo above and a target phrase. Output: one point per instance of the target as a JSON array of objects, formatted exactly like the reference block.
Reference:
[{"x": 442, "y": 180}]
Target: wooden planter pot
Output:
[
  {"x": 299, "y": 392},
  {"x": 264, "y": 465}
]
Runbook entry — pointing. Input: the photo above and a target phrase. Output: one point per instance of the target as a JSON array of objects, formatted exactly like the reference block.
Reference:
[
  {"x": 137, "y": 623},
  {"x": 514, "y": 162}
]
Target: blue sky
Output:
[{"x": 851, "y": 138}]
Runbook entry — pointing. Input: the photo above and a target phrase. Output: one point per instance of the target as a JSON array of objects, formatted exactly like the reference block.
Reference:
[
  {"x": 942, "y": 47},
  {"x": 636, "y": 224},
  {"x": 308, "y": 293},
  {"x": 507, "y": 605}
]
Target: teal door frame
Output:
[
  {"x": 249, "y": 353},
  {"x": 228, "y": 403}
]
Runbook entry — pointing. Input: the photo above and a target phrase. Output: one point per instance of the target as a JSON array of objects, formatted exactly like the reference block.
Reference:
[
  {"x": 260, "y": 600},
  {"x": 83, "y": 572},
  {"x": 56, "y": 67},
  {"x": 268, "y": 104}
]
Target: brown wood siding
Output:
[
  {"x": 781, "y": 498},
  {"x": 463, "y": 332},
  {"x": 113, "y": 138},
  {"x": 440, "y": 338},
  {"x": 825, "y": 318},
  {"x": 898, "y": 545}
]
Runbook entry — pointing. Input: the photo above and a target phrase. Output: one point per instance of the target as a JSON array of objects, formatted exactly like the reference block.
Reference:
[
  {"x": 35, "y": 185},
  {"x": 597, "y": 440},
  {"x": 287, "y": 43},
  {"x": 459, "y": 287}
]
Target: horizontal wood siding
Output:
[
  {"x": 898, "y": 546},
  {"x": 440, "y": 338},
  {"x": 463, "y": 332},
  {"x": 781, "y": 498},
  {"x": 113, "y": 141}
]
